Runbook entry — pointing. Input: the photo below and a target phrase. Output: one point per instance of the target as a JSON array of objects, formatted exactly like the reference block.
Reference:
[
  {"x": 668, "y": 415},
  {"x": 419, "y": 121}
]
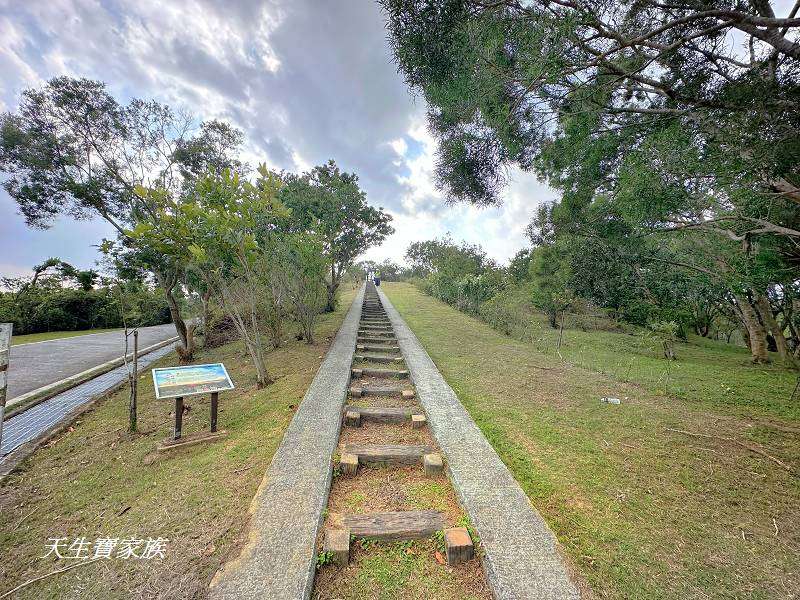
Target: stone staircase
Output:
[{"x": 381, "y": 395}]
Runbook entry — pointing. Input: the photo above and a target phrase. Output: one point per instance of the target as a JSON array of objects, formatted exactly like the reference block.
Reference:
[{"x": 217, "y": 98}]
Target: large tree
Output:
[
  {"x": 675, "y": 118},
  {"x": 72, "y": 149},
  {"x": 329, "y": 204}
]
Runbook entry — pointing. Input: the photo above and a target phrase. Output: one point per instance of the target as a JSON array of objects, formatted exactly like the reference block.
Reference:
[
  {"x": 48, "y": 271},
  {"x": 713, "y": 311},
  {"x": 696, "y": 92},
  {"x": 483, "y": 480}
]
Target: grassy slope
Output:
[
  {"x": 94, "y": 482},
  {"x": 641, "y": 511},
  {"x": 52, "y": 335}
]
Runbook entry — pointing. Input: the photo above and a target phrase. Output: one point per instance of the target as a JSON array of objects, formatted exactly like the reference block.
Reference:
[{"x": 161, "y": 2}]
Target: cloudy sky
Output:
[{"x": 305, "y": 80}]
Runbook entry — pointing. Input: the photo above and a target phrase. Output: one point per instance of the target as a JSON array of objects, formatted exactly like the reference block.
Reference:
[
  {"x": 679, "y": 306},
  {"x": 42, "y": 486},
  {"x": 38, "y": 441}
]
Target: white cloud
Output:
[{"x": 305, "y": 81}]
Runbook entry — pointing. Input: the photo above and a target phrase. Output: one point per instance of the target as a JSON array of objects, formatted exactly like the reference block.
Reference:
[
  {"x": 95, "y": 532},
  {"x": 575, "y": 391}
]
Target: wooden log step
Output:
[
  {"x": 378, "y": 347},
  {"x": 373, "y": 333},
  {"x": 369, "y": 339},
  {"x": 381, "y": 373},
  {"x": 381, "y": 414},
  {"x": 375, "y": 322},
  {"x": 359, "y": 391},
  {"x": 378, "y": 358},
  {"x": 393, "y": 526},
  {"x": 376, "y": 327},
  {"x": 393, "y": 454}
]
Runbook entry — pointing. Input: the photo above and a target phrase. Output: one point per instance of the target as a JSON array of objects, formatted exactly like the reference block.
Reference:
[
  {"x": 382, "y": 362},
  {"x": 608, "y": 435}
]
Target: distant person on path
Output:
[{"x": 377, "y": 278}]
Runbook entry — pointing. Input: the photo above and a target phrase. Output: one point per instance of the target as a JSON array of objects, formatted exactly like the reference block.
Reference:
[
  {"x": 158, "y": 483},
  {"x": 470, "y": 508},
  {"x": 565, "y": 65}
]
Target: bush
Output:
[
  {"x": 509, "y": 312},
  {"x": 66, "y": 309},
  {"x": 220, "y": 330}
]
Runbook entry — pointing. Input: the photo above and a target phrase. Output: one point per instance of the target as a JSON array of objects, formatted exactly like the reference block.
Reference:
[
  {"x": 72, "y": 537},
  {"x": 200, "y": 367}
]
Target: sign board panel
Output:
[{"x": 171, "y": 382}]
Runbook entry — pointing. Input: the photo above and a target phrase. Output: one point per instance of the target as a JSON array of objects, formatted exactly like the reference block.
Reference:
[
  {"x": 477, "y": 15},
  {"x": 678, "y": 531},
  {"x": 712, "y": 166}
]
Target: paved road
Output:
[
  {"x": 34, "y": 421},
  {"x": 34, "y": 365}
]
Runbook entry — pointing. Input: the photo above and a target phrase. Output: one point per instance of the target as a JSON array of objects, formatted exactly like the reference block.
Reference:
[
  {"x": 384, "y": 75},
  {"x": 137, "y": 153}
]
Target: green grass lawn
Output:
[
  {"x": 98, "y": 481},
  {"x": 642, "y": 509},
  {"x": 53, "y": 335}
]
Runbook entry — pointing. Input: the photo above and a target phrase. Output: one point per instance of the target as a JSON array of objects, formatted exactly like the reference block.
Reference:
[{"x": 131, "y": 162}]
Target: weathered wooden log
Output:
[
  {"x": 406, "y": 525},
  {"x": 388, "y": 453},
  {"x": 458, "y": 545}
]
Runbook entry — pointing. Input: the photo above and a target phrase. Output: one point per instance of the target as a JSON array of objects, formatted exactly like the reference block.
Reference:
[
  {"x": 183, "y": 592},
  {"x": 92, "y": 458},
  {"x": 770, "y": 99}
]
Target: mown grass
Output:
[
  {"x": 97, "y": 480},
  {"x": 642, "y": 509},
  {"x": 28, "y": 338},
  {"x": 706, "y": 372}
]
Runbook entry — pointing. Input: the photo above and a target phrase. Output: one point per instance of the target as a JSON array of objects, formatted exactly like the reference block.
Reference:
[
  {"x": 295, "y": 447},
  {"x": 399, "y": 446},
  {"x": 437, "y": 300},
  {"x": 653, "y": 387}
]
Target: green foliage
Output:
[
  {"x": 324, "y": 557},
  {"x": 52, "y": 307},
  {"x": 329, "y": 204},
  {"x": 677, "y": 156}
]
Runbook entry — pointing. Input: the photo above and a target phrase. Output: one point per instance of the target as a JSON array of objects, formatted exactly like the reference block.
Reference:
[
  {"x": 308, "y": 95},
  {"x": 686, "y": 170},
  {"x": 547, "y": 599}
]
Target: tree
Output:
[
  {"x": 644, "y": 114},
  {"x": 306, "y": 278},
  {"x": 72, "y": 149},
  {"x": 330, "y": 205},
  {"x": 230, "y": 222}
]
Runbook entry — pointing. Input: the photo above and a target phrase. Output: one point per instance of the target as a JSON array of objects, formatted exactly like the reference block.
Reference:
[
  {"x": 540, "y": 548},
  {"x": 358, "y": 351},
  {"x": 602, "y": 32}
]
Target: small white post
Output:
[{"x": 5, "y": 348}]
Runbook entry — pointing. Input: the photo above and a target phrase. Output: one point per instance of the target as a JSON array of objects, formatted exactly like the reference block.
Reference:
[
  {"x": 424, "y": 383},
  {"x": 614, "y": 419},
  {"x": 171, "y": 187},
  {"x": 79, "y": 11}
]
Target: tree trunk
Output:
[
  {"x": 331, "y": 304},
  {"x": 185, "y": 347},
  {"x": 756, "y": 332},
  {"x": 205, "y": 297},
  {"x": 762, "y": 303}
]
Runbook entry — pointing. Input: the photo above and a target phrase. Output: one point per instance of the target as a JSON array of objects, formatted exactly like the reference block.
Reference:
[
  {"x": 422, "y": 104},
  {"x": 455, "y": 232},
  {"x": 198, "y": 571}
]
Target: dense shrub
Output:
[
  {"x": 66, "y": 309},
  {"x": 220, "y": 330}
]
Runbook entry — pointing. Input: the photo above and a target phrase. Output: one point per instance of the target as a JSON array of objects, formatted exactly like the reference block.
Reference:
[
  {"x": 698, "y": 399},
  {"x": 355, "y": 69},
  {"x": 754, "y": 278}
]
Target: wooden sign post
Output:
[
  {"x": 5, "y": 348},
  {"x": 179, "y": 382}
]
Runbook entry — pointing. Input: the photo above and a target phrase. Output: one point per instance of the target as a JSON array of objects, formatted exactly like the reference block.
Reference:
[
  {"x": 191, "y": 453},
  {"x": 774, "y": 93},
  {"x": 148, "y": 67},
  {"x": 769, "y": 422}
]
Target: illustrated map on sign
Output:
[{"x": 171, "y": 382}]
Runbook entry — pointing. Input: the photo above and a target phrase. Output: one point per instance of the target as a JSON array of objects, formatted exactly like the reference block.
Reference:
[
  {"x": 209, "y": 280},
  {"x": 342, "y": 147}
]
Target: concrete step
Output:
[
  {"x": 392, "y": 526},
  {"x": 355, "y": 415},
  {"x": 381, "y": 373},
  {"x": 378, "y": 358},
  {"x": 392, "y": 454}
]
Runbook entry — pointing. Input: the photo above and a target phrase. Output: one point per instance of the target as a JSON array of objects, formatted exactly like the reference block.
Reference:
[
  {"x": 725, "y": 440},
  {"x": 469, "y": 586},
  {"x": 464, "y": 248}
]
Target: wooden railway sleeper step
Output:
[
  {"x": 355, "y": 415},
  {"x": 378, "y": 358},
  {"x": 360, "y": 391},
  {"x": 384, "y": 333},
  {"x": 392, "y": 526},
  {"x": 359, "y": 372},
  {"x": 395, "y": 527},
  {"x": 381, "y": 348},
  {"x": 366, "y": 339},
  {"x": 378, "y": 347},
  {"x": 390, "y": 454}
]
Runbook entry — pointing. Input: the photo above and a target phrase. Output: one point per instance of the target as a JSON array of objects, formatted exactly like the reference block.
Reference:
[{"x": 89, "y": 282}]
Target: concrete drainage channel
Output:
[{"x": 381, "y": 450}]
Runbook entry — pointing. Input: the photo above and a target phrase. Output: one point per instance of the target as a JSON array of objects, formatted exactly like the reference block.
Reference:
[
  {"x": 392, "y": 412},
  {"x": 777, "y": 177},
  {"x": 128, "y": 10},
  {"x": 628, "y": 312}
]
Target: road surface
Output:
[{"x": 37, "y": 364}]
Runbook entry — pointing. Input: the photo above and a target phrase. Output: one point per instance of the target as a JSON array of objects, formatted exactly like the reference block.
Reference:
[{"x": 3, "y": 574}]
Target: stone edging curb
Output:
[
  {"x": 522, "y": 557},
  {"x": 25, "y": 401},
  {"x": 278, "y": 558}
]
